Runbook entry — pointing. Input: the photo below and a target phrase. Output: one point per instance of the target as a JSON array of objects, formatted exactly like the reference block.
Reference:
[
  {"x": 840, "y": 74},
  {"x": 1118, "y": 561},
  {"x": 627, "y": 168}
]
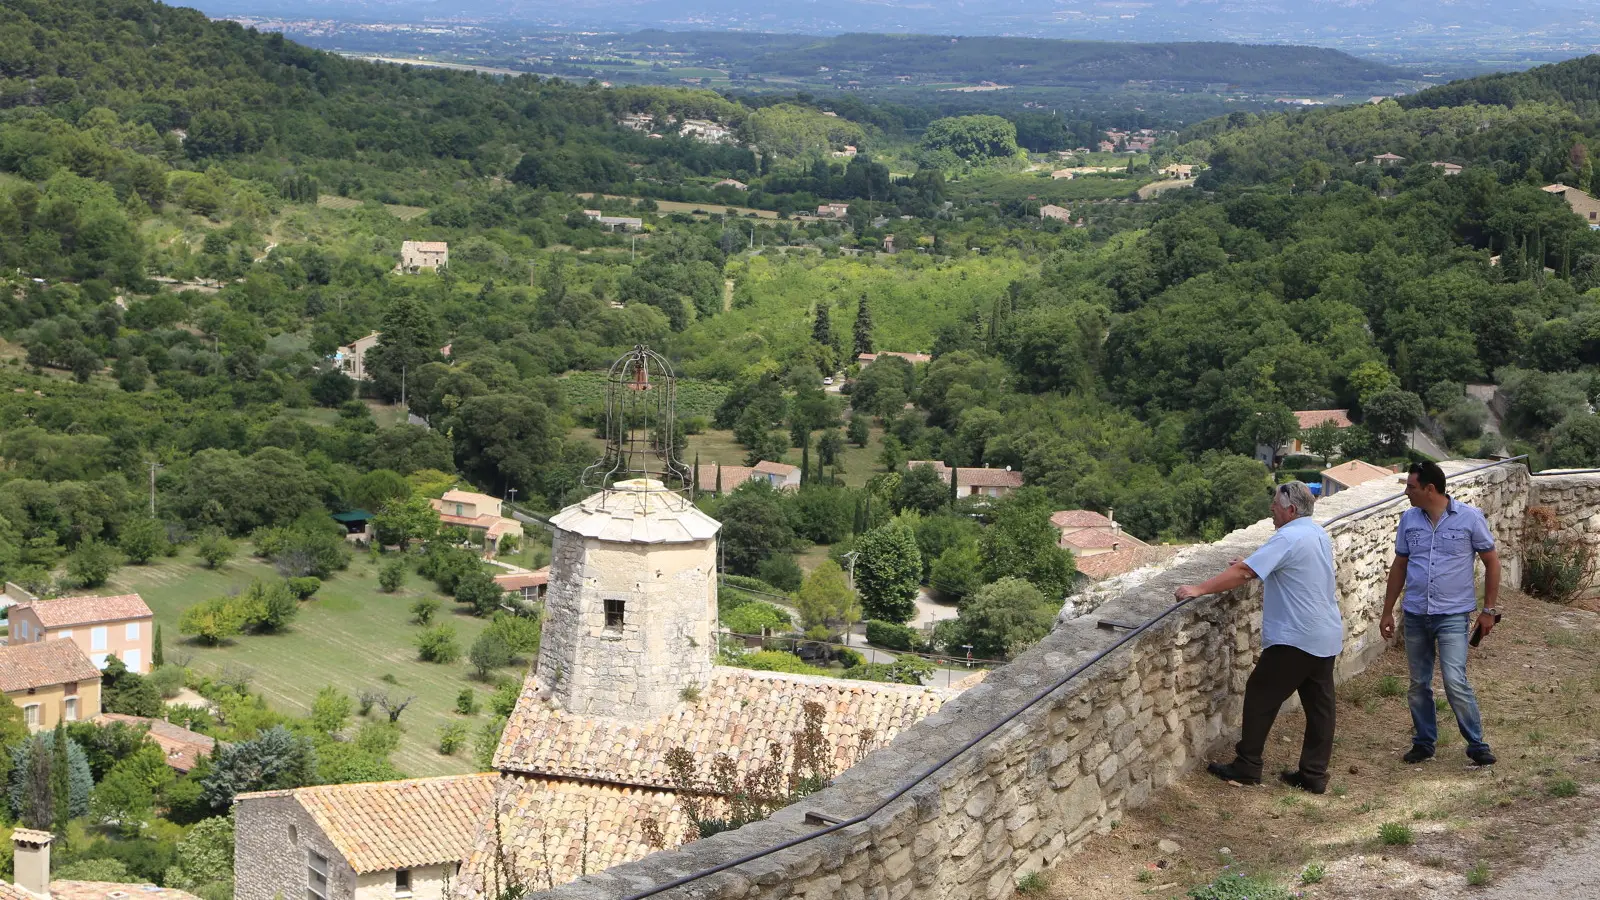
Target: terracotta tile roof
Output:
[
  {"x": 69, "y": 611},
  {"x": 732, "y": 477},
  {"x": 182, "y": 746},
  {"x": 41, "y": 663},
  {"x": 1079, "y": 518},
  {"x": 476, "y": 499},
  {"x": 12, "y": 892},
  {"x": 426, "y": 246},
  {"x": 1356, "y": 472},
  {"x": 551, "y": 831},
  {"x": 104, "y": 890},
  {"x": 740, "y": 713},
  {"x": 516, "y": 581},
  {"x": 386, "y": 825},
  {"x": 783, "y": 470},
  {"x": 1311, "y": 418},
  {"x": 1100, "y": 538},
  {"x": 972, "y": 476},
  {"x": 1119, "y": 562}
]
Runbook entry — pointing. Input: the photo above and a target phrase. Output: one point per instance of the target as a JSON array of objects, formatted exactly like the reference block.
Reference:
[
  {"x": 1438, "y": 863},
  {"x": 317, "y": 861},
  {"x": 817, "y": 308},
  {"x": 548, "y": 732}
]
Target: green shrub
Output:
[
  {"x": 1313, "y": 873},
  {"x": 451, "y": 738},
  {"x": 1562, "y": 787},
  {"x": 1479, "y": 875},
  {"x": 467, "y": 702},
  {"x": 305, "y": 586},
  {"x": 438, "y": 645},
  {"x": 1391, "y": 686},
  {"x": 1395, "y": 834},
  {"x": 1239, "y": 886},
  {"x": 892, "y": 636},
  {"x": 392, "y": 575},
  {"x": 781, "y": 571},
  {"x": 167, "y": 680},
  {"x": 423, "y": 610}
]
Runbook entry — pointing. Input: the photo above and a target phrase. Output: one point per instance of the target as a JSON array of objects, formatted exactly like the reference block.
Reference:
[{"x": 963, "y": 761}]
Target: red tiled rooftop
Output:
[
  {"x": 66, "y": 612},
  {"x": 1311, "y": 418}
]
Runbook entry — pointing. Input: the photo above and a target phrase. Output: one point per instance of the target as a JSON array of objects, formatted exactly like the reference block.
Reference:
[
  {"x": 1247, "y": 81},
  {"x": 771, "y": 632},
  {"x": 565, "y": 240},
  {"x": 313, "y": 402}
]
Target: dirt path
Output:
[
  {"x": 1529, "y": 826},
  {"x": 1161, "y": 187},
  {"x": 727, "y": 294}
]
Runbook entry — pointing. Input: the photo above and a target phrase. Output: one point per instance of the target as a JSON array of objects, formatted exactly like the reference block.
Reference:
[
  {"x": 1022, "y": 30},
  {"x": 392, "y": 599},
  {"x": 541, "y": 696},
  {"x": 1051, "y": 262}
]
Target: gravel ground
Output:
[{"x": 1572, "y": 871}]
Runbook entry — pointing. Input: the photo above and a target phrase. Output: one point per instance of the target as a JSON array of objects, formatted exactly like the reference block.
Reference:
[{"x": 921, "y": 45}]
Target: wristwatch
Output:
[{"x": 1492, "y": 611}]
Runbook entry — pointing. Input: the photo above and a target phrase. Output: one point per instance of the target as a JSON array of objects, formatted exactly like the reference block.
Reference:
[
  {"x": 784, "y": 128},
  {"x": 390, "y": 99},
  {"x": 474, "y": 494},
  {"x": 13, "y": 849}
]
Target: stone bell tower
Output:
[{"x": 631, "y": 610}]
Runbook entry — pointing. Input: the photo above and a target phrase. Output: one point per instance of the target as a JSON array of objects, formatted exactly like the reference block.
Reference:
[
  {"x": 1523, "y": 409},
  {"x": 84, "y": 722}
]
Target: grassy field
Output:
[
  {"x": 672, "y": 206},
  {"x": 403, "y": 213},
  {"x": 349, "y": 635}
]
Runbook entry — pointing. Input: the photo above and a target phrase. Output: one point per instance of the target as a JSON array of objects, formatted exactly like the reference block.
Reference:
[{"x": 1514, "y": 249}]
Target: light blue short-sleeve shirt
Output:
[
  {"x": 1440, "y": 558},
  {"x": 1299, "y": 607}
]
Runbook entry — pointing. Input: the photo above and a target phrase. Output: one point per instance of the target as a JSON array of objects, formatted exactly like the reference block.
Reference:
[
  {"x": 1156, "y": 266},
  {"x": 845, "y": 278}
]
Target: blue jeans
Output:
[{"x": 1449, "y": 633}]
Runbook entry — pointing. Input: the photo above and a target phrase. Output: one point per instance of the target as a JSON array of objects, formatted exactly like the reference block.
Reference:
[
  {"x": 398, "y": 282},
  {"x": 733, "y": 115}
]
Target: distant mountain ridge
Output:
[{"x": 1314, "y": 22}]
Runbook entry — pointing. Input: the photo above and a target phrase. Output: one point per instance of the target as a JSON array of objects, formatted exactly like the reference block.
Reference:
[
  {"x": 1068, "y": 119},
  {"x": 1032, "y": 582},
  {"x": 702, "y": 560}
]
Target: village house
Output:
[
  {"x": 615, "y": 223},
  {"x": 1306, "y": 419},
  {"x": 102, "y": 627},
  {"x": 781, "y": 476},
  {"x": 888, "y": 243},
  {"x": 705, "y": 131},
  {"x": 52, "y": 681},
  {"x": 1051, "y": 211},
  {"x": 1448, "y": 168},
  {"x": 975, "y": 482},
  {"x": 478, "y": 513},
  {"x": 352, "y": 357},
  {"x": 1387, "y": 160},
  {"x": 833, "y": 210},
  {"x": 848, "y": 152},
  {"x": 1178, "y": 170},
  {"x": 1059, "y": 174},
  {"x": 184, "y": 748},
  {"x": 1587, "y": 207},
  {"x": 1351, "y": 474},
  {"x": 418, "y": 255},
  {"x": 714, "y": 478},
  {"x": 372, "y": 841},
  {"x": 529, "y": 587},
  {"x": 638, "y": 121},
  {"x": 31, "y": 865}
]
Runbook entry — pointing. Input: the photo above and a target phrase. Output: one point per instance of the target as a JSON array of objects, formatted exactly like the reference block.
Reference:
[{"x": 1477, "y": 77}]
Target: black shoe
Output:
[
  {"x": 1227, "y": 772},
  {"x": 1418, "y": 753},
  {"x": 1296, "y": 779},
  {"x": 1482, "y": 757}
]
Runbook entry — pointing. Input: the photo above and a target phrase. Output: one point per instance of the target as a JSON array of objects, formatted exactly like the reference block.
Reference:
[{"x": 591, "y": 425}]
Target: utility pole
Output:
[
  {"x": 513, "y": 493},
  {"x": 850, "y": 572},
  {"x": 402, "y": 385},
  {"x": 633, "y": 248},
  {"x": 153, "y": 467}
]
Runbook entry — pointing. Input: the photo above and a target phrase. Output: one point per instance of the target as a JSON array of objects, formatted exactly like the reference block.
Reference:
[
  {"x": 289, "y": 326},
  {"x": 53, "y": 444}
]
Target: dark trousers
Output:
[{"x": 1281, "y": 671}]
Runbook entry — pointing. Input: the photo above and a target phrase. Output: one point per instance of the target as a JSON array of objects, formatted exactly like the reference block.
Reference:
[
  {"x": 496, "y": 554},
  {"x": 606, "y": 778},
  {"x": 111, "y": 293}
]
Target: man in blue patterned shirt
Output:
[{"x": 1434, "y": 566}]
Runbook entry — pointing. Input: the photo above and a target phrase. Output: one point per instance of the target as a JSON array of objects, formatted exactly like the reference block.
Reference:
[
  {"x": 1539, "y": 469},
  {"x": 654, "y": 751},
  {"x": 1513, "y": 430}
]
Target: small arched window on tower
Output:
[{"x": 614, "y": 610}]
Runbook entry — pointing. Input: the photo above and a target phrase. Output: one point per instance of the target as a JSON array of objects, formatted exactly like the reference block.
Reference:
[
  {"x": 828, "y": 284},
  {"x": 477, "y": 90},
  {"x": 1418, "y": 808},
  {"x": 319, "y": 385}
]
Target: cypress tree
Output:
[
  {"x": 156, "y": 658},
  {"x": 719, "y": 479},
  {"x": 38, "y": 804},
  {"x": 805, "y": 458},
  {"x": 954, "y": 488},
  {"x": 863, "y": 327},
  {"x": 60, "y": 783},
  {"x": 822, "y": 328},
  {"x": 694, "y": 481}
]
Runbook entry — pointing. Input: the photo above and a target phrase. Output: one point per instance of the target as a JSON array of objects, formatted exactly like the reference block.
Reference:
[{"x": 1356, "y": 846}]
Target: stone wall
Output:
[
  {"x": 1575, "y": 501},
  {"x": 272, "y": 834},
  {"x": 1030, "y": 793}
]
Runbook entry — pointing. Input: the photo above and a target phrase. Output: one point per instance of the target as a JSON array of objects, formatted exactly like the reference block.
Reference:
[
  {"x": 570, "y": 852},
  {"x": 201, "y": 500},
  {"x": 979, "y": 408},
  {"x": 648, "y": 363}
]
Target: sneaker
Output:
[
  {"x": 1227, "y": 772},
  {"x": 1482, "y": 757},
  {"x": 1418, "y": 753},
  {"x": 1296, "y": 779}
]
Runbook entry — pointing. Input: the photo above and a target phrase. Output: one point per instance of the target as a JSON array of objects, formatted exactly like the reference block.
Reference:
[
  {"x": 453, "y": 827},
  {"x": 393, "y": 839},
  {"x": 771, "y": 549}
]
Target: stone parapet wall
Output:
[
  {"x": 1575, "y": 500},
  {"x": 1027, "y": 795}
]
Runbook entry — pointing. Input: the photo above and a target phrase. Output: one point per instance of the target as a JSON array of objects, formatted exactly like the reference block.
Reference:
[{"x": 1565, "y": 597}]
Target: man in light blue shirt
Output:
[
  {"x": 1434, "y": 566},
  {"x": 1302, "y": 633}
]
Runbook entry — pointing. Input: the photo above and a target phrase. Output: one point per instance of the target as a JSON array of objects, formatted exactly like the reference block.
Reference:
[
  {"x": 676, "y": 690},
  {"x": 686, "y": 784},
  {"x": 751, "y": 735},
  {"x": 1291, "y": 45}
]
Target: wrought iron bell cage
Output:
[{"x": 641, "y": 425}]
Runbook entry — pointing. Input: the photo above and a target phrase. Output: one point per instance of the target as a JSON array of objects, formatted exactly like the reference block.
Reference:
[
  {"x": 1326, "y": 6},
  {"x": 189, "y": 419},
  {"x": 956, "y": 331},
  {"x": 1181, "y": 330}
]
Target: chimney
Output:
[{"x": 31, "y": 860}]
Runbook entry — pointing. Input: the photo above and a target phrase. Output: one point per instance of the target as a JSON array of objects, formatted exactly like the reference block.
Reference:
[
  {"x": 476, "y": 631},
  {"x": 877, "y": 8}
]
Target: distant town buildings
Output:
[
  {"x": 1059, "y": 213},
  {"x": 418, "y": 255},
  {"x": 833, "y": 210},
  {"x": 1178, "y": 170},
  {"x": 1448, "y": 168},
  {"x": 916, "y": 359},
  {"x": 1387, "y": 160},
  {"x": 1351, "y": 474},
  {"x": 848, "y": 152}
]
